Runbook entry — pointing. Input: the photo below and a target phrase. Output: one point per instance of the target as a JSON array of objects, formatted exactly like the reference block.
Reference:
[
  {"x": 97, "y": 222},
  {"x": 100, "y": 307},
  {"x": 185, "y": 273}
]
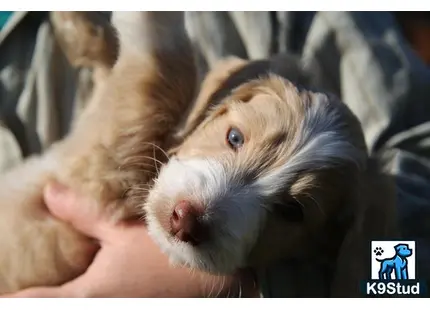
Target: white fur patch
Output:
[{"x": 233, "y": 214}]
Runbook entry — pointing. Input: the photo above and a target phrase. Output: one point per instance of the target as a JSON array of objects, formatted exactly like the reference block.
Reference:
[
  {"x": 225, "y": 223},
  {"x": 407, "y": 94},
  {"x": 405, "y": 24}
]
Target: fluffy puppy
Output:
[
  {"x": 109, "y": 154},
  {"x": 269, "y": 170}
]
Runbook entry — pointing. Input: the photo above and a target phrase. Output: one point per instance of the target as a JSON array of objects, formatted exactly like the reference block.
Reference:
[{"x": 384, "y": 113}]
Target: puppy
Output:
[
  {"x": 113, "y": 150},
  {"x": 269, "y": 169}
]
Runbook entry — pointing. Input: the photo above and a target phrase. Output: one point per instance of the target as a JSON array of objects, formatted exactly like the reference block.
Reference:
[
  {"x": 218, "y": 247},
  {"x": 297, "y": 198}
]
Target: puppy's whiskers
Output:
[
  {"x": 240, "y": 288},
  {"x": 138, "y": 197},
  {"x": 156, "y": 166},
  {"x": 139, "y": 187},
  {"x": 212, "y": 286},
  {"x": 158, "y": 148},
  {"x": 141, "y": 205},
  {"x": 221, "y": 287},
  {"x": 317, "y": 204},
  {"x": 133, "y": 165},
  {"x": 145, "y": 157}
]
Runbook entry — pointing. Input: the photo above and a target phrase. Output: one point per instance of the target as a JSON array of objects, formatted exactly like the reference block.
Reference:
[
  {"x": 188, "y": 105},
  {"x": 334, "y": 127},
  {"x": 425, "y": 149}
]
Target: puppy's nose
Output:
[{"x": 186, "y": 223}]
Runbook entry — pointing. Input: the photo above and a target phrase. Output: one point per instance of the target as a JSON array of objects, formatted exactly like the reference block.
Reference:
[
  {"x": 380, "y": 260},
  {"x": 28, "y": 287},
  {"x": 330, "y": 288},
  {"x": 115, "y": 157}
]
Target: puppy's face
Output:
[{"x": 256, "y": 180}]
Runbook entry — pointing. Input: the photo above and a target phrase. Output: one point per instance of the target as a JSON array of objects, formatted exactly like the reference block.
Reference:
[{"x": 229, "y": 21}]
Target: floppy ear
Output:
[
  {"x": 374, "y": 218},
  {"x": 211, "y": 84}
]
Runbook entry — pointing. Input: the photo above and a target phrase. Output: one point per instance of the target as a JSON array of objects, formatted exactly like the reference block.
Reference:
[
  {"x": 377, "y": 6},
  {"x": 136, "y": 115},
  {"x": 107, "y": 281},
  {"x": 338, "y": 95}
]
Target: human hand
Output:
[{"x": 129, "y": 263}]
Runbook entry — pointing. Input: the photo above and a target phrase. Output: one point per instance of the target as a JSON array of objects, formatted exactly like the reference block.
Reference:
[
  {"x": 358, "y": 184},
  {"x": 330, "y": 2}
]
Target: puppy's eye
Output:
[
  {"x": 235, "y": 138},
  {"x": 291, "y": 211}
]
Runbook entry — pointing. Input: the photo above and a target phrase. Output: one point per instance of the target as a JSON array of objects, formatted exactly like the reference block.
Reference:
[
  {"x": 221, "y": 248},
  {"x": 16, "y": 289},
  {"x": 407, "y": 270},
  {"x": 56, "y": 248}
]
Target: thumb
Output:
[{"x": 79, "y": 211}]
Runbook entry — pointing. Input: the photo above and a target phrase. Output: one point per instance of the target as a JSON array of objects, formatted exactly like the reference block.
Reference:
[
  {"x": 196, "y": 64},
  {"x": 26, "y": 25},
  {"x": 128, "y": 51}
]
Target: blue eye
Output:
[{"x": 235, "y": 138}]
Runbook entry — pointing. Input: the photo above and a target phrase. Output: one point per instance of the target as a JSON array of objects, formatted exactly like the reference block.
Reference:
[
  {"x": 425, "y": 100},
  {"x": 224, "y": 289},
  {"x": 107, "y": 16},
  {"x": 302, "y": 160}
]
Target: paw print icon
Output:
[{"x": 378, "y": 251}]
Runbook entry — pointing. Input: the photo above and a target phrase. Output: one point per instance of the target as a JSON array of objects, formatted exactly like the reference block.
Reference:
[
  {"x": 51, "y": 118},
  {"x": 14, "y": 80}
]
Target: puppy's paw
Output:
[{"x": 86, "y": 38}]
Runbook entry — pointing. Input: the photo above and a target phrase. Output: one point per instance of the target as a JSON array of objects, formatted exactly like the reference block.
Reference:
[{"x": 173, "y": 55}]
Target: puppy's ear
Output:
[
  {"x": 211, "y": 84},
  {"x": 373, "y": 204},
  {"x": 86, "y": 38}
]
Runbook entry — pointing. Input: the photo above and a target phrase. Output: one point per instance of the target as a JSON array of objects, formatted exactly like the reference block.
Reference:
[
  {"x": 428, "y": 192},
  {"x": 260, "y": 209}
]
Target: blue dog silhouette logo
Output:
[
  {"x": 397, "y": 265},
  {"x": 393, "y": 269}
]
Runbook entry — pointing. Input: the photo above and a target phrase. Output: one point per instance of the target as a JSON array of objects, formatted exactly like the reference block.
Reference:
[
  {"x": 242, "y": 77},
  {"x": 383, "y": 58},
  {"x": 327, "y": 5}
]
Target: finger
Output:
[{"x": 70, "y": 207}]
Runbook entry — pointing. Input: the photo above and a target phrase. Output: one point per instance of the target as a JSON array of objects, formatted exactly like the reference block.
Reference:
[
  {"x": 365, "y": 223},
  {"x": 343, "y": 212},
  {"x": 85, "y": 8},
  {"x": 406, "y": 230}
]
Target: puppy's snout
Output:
[{"x": 186, "y": 224}]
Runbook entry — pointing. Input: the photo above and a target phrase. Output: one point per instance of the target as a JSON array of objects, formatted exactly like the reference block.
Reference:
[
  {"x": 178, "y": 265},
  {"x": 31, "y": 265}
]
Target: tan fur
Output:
[
  {"x": 109, "y": 155},
  {"x": 212, "y": 81},
  {"x": 344, "y": 207}
]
